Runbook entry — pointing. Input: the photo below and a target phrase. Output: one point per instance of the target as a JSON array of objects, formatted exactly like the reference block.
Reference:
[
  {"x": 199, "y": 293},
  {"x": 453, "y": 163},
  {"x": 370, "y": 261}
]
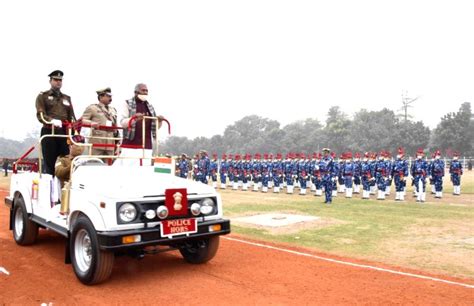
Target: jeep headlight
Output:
[
  {"x": 195, "y": 209},
  {"x": 208, "y": 206},
  {"x": 127, "y": 212}
]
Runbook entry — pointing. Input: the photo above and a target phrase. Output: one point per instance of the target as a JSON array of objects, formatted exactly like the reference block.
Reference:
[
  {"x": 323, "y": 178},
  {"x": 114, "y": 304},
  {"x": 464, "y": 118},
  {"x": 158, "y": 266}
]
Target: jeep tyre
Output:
[
  {"x": 91, "y": 265},
  {"x": 200, "y": 251},
  {"x": 25, "y": 231}
]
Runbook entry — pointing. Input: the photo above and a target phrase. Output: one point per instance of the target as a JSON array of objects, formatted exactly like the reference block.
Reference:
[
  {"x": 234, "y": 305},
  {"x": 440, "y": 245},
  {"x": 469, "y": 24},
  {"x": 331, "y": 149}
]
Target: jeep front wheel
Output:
[
  {"x": 200, "y": 251},
  {"x": 25, "y": 231},
  {"x": 91, "y": 265}
]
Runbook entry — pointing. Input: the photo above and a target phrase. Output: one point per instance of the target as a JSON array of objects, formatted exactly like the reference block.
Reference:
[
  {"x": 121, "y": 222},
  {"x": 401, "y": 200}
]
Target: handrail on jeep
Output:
[{"x": 158, "y": 121}]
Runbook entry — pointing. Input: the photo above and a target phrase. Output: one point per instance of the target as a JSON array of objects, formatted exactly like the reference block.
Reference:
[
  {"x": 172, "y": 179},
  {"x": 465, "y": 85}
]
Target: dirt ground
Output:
[{"x": 240, "y": 274}]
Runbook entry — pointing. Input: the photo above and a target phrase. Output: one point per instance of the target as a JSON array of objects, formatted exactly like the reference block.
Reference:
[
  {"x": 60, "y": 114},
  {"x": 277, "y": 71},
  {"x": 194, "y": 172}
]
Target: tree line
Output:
[{"x": 365, "y": 131}]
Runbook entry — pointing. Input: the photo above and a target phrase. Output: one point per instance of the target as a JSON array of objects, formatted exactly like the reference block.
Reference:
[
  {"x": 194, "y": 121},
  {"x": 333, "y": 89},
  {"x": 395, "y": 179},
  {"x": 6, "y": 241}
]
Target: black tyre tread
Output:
[
  {"x": 203, "y": 255},
  {"x": 104, "y": 261},
  {"x": 30, "y": 228},
  {"x": 105, "y": 265}
]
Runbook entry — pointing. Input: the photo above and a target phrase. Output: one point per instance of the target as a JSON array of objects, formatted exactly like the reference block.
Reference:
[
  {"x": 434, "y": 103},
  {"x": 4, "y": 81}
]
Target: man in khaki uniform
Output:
[
  {"x": 102, "y": 114},
  {"x": 53, "y": 108}
]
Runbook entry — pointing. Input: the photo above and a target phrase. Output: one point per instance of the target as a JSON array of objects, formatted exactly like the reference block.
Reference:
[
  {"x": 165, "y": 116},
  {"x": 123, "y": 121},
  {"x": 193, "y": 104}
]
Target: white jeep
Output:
[{"x": 108, "y": 210}]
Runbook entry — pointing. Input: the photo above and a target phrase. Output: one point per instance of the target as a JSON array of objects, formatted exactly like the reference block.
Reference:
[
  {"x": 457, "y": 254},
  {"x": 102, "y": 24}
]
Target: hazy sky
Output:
[{"x": 210, "y": 63}]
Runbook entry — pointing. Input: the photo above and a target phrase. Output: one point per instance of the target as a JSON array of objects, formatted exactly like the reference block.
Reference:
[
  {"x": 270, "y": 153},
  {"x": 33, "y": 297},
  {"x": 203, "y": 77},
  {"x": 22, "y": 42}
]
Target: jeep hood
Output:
[{"x": 132, "y": 182}]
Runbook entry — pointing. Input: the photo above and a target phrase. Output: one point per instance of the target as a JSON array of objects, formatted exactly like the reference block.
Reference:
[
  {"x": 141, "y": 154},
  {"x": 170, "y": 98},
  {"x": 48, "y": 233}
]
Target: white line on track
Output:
[
  {"x": 3, "y": 270},
  {"x": 351, "y": 263}
]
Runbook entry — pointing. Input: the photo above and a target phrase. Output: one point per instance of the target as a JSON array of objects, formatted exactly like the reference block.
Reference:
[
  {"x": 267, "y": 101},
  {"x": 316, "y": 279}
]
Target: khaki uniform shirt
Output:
[
  {"x": 102, "y": 115},
  {"x": 54, "y": 106}
]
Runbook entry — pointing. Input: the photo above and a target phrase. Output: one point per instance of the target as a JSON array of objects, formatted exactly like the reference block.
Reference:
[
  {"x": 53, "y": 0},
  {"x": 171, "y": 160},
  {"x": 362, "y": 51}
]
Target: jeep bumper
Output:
[{"x": 112, "y": 241}]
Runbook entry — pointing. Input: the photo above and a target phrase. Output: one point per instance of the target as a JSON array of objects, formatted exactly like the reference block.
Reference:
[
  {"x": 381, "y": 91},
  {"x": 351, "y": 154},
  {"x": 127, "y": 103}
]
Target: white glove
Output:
[{"x": 57, "y": 122}]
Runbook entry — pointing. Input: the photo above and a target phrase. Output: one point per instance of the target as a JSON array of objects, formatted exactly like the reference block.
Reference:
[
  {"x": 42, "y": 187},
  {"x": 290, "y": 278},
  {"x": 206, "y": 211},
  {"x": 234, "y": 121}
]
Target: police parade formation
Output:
[{"x": 369, "y": 174}]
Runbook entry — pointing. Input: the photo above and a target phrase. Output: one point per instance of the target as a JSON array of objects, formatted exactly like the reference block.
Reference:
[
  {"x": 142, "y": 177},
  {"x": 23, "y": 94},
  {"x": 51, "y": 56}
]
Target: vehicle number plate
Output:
[{"x": 171, "y": 228}]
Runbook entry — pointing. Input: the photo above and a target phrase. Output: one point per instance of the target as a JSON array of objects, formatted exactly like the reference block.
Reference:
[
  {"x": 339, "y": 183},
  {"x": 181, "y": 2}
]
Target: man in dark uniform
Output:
[
  {"x": 328, "y": 174},
  {"x": 53, "y": 109},
  {"x": 183, "y": 166}
]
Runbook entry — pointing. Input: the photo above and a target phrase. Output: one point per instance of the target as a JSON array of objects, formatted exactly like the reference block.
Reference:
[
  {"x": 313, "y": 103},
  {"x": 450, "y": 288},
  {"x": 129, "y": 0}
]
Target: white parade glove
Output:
[{"x": 57, "y": 122}]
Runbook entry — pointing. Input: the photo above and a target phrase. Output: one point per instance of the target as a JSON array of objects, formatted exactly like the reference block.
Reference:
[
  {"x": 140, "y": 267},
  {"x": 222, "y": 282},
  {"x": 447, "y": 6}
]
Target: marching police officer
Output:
[
  {"x": 183, "y": 166},
  {"x": 367, "y": 175},
  {"x": 328, "y": 174},
  {"x": 419, "y": 171},
  {"x": 399, "y": 173},
  {"x": 101, "y": 116},
  {"x": 257, "y": 172},
  {"x": 277, "y": 173},
  {"x": 455, "y": 169},
  {"x": 437, "y": 174},
  {"x": 213, "y": 170},
  {"x": 357, "y": 173},
  {"x": 317, "y": 179},
  {"x": 53, "y": 109},
  {"x": 223, "y": 170},
  {"x": 348, "y": 174},
  {"x": 381, "y": 174},
  {"x": 203, "y": 167},
  {"x": 265, "y": 173}
]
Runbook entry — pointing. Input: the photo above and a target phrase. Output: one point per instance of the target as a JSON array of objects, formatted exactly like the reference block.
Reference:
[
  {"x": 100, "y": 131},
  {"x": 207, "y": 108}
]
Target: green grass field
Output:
[{"x": 437, "y": 236}]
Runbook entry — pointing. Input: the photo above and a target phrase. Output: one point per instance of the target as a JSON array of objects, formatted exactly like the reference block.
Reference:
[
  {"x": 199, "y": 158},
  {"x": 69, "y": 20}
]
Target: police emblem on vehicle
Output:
[{"x": 178, "y": 196}]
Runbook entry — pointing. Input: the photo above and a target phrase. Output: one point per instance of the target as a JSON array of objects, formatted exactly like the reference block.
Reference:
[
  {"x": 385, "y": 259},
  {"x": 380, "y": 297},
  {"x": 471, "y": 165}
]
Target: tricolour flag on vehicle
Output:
[{"x": 163, "y": 165}]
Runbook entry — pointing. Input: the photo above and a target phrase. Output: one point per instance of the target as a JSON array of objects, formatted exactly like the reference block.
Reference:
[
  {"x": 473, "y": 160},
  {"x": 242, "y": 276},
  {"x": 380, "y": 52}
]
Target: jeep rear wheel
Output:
[
  {"x": 91, "y": 265},
  {"x": 25, "y": 231},
  {"x": 200, "y": 251}
]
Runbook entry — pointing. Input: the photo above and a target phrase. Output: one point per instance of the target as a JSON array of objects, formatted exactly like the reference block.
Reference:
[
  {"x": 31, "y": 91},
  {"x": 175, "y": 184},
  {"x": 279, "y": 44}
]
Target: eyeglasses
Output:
[{"x": 58, "y": 80}]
